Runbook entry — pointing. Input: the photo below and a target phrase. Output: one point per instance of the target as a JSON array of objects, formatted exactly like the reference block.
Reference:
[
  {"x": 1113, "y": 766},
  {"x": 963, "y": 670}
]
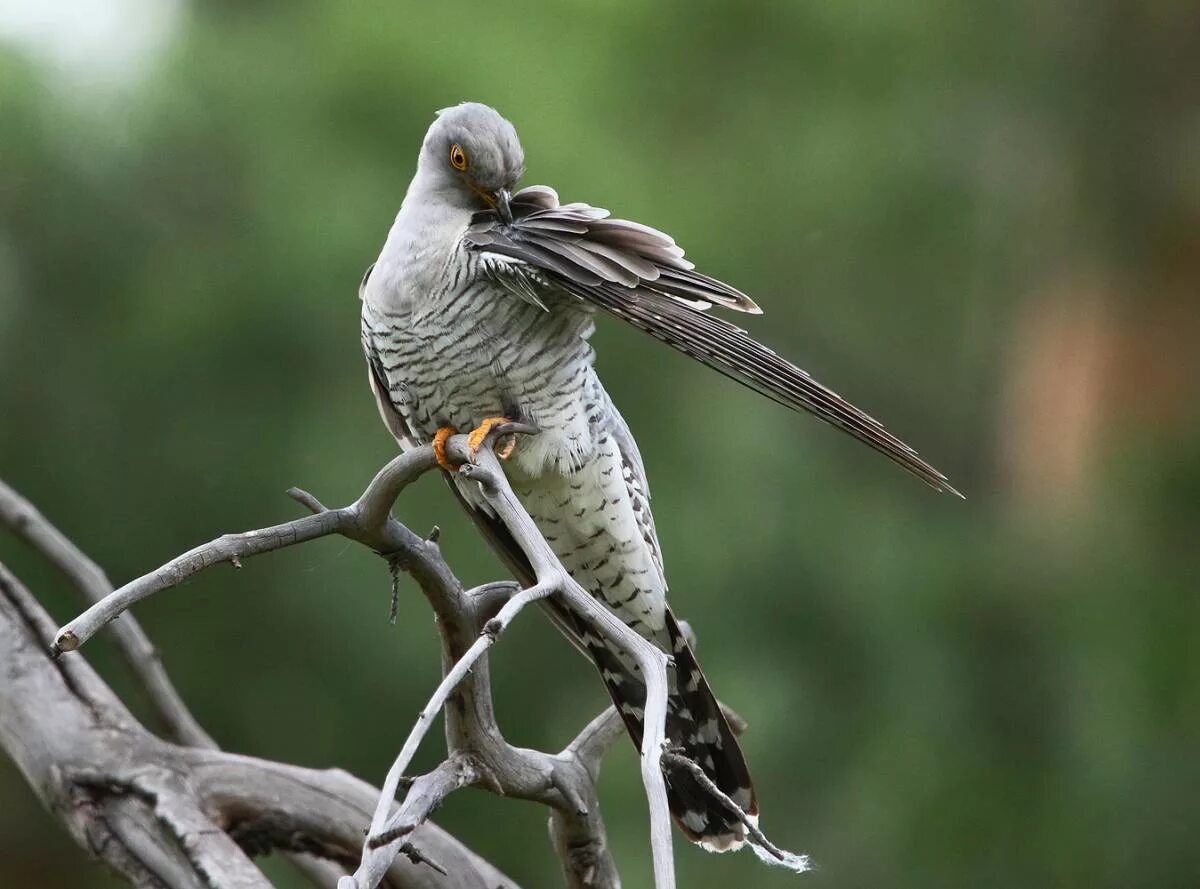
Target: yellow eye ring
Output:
[{"x": 458, "y": 157}]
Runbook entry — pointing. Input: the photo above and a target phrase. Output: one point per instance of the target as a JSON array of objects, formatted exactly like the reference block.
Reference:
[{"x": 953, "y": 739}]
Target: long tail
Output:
[
  {"x": 695, "y": 724},
  {"x": 694, "y": 718}
]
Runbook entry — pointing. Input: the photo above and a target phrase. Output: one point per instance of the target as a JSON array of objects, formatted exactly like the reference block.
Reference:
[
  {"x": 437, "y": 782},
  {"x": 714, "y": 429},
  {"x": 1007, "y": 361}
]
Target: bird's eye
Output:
[{"x": 458, "y": 157}]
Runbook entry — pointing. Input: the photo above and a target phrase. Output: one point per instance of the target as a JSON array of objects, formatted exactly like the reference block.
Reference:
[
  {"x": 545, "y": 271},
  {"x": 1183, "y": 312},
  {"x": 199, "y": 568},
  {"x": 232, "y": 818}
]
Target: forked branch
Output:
[
  {"x": 562, "y": 781},
  {"x": 470, "y": 622}
]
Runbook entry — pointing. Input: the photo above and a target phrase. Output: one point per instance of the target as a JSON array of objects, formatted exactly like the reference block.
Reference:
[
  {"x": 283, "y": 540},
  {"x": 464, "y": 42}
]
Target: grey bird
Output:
[{"x": 479, "y": 308}]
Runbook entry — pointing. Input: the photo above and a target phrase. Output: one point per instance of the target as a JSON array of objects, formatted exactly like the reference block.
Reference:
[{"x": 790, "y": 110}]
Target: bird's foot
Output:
[
  {"x": 479, "y": 435},
  {"x": 439, "y": 448},
  {"x": 475, "y": 440}
]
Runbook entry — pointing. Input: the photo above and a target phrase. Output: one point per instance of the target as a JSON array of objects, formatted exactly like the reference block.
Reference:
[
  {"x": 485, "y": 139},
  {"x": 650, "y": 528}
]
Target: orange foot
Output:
[
  {"x": 439, "y": 447},
  {"x": 477, "y": 436}
]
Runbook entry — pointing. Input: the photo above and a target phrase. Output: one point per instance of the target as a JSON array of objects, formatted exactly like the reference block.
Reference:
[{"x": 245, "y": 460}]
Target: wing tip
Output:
[
  {"x": 948, "y": 488},
  {"x": 935, "y": 479}
]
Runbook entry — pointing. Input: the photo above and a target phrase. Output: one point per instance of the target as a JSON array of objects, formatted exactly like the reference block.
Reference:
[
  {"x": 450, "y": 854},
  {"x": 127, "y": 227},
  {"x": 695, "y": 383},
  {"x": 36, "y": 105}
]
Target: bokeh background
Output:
[{"x": 979, "y": 221}]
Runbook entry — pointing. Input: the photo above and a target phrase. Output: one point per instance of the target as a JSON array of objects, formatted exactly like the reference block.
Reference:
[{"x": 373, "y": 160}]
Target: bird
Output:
[{"x": 478, "y": 312}]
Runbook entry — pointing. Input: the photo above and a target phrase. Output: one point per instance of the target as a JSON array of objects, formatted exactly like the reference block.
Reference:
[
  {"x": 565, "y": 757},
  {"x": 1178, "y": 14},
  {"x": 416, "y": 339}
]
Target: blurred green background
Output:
[{"x": 980, "y": 222}]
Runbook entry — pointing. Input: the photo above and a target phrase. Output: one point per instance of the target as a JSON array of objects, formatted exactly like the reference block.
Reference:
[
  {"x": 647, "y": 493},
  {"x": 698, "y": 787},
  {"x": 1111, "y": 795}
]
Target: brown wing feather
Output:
[{"x": 639, "y": 275}]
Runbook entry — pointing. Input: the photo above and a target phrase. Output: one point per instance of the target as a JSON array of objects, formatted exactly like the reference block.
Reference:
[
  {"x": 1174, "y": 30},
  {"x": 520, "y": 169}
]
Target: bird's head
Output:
[{"x": 473, "y": 152}]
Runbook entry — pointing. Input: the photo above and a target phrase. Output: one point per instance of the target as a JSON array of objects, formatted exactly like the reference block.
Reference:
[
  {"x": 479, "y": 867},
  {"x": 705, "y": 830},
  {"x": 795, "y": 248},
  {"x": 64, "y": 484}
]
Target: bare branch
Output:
[
  {"x": 161, "y": 814},
  {"x": 758, "y": 839},
  {"x": 24, "y": 519},
  {"x": 425, "y": 718},
  {"x": 652, "y": 662},
  {"x": 423, "y": 797},
  {"x": 134, "y": 825},
  {"x": 76, "y": 760},
  {"x": 367, "y": 521},
  {"x": 320, "y": 872},
  {"x": 469, "y": 624},
  {"x": 565, "y": 782},
  {"x": 305, "y": 499},
  {"x": 514, "y": 772},
  {"x": 21, "y": 517},
  {"x": 224, "y": 549},
  {"x": 325, "y": 805}
]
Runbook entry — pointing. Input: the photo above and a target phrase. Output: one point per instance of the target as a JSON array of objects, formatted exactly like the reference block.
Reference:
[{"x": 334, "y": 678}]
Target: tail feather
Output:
[
  {"x": 695, "y": 722},
  {"x": 695, "y": 725}
]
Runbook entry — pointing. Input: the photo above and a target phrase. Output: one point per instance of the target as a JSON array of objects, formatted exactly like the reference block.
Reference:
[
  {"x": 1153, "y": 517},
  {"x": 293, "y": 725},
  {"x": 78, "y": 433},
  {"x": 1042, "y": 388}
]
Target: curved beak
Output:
[{"x": 500, "y": 200}]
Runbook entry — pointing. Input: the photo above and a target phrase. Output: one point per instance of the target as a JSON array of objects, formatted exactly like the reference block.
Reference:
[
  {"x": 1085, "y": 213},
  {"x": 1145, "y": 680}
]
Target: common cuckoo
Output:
[{"x": 479, "y": 308}]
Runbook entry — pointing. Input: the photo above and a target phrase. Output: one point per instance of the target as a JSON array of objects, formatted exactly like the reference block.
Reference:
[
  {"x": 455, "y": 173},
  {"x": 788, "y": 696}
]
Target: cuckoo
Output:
[{"x": 479, "y": 310}]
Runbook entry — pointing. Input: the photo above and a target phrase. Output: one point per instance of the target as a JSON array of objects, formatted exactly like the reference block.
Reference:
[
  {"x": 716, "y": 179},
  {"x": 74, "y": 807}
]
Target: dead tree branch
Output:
[
  {"x": 158, "y": 813},
  {"x": 560, "y": 781},
  {"x": 162, "y": 814},
  {"x": 89, "y": 579},
  {"x": 470, "y": 622}
]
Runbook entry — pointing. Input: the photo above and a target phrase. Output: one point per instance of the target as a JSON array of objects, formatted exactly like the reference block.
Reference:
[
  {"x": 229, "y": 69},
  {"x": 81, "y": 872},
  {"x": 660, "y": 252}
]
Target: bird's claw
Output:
[
  {"x": 475, "y": 440},
  {"x": 480, "y": 434},
  {"x": 439, "y": 448}
]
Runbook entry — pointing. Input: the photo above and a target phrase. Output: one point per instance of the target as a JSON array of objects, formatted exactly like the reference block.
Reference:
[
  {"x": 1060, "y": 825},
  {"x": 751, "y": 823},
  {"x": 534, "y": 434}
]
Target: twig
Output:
[
  {"x": 364, "y": 520},
  {"x": 394, "y": 604},
  {"x": 179, "y": 569},
  {"x": 307, "y": 500},
  {"x": 423, "y": 797},
  {"x": 28, "y": 523},
  {"x": 651, "y": 661},
  {"x": 425, "y": 718},
  {"x": 416, "y": 856},
  {"x": 790, "y": 860}
]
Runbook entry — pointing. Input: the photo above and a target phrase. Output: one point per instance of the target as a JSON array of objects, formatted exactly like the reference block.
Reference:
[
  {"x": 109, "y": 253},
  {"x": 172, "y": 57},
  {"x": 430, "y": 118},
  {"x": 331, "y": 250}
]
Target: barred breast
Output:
[
  {"x": 596, "y": 519},
  {"x": 470, "y": 350}
]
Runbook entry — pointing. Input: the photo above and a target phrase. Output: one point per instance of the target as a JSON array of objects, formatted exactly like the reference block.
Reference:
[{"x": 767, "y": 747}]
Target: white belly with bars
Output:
[{"x": 471, "y": 350}]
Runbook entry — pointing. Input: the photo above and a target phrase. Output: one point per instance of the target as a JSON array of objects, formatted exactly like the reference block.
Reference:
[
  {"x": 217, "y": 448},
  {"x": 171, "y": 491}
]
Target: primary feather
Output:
[{"x": 639, "y": 274}]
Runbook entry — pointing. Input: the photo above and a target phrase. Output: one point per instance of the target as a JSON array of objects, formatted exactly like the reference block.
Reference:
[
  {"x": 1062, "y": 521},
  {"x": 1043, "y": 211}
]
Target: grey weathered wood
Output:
[
  {"x": 560, "y": 781},
  {"x": 200, "y": 795},
  {"x": 154, "y": 811},
  {"x": 24, "y": 519}
]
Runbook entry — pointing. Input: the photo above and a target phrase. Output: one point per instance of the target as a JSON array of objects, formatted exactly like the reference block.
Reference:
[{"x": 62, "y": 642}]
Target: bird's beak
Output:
[{"x": 501, "y": 201}]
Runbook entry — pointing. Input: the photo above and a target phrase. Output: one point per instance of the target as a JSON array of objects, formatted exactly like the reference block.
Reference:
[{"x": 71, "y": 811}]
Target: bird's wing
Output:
[
  {"x": 638, "y": 489},
  {"x": 379, "y": 385},
  {"x": 391, "y": 417},
  {"x": 638, "y": 274}
]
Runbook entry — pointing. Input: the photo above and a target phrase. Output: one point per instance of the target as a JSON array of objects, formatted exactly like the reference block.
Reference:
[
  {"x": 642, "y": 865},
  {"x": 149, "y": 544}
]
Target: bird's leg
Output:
[
  {"x": 475, "y": 441},
  {"x": 478, "y": 435},
  {"x": 439, "y": 447}
]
